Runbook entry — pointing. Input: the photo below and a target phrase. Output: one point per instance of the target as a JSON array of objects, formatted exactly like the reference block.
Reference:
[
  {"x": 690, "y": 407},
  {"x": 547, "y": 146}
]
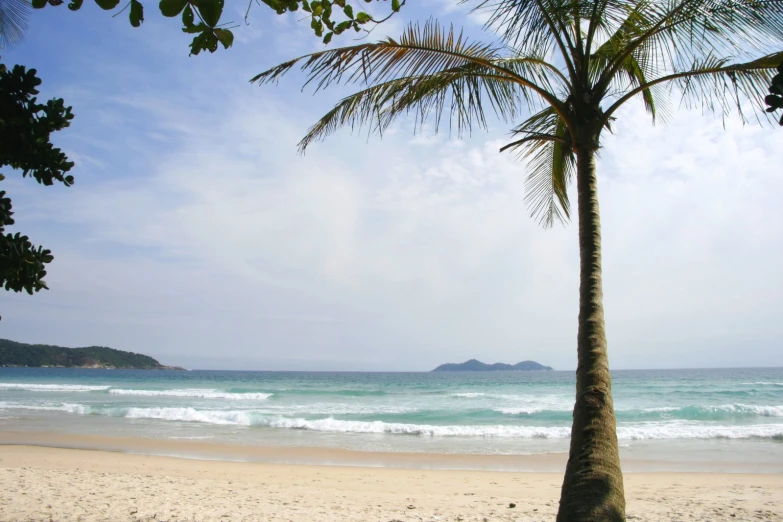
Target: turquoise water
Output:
[{"x": 482, "y": 412}]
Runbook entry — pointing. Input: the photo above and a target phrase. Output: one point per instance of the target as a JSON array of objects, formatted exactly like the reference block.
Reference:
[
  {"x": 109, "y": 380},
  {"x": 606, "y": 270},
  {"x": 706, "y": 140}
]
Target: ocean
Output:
[{"x": 731, "y": 416}]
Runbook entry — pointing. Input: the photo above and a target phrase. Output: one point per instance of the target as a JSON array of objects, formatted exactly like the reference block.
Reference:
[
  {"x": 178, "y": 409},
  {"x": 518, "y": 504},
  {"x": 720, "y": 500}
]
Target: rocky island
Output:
[
  {"x": 477, "y": 366},
  {"x": 14, "y": 354}
]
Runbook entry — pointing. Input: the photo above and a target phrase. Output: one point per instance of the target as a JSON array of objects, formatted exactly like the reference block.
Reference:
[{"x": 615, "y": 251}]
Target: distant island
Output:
[
  {"x": 477, "y": 366},
  {"x": 14, "y": 354}
]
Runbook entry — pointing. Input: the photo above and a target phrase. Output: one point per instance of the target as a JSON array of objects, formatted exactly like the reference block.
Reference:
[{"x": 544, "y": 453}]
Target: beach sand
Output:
[{"x": 40, "y": 483}]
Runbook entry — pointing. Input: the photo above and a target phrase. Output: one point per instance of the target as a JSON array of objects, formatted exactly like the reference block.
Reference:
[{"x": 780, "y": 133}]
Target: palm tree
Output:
[{"x": 571, "y": 64}]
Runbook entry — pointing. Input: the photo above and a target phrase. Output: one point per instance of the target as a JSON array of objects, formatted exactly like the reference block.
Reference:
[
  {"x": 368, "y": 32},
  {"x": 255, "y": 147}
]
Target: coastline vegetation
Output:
[{"x": 17, "y": 354}]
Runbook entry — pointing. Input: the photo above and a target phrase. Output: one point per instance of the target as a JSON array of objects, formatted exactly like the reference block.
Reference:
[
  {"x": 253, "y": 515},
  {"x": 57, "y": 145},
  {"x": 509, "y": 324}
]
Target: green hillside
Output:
[{"x": 13, "y": 353}]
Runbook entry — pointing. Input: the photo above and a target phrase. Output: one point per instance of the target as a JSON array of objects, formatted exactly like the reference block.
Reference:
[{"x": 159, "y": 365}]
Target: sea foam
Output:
[
  {"x": 676, "y": 429},
  {"x": 687, "y": 430},
  {"x": 52, "y": 387},
  {"x": 79, "y": 409},
  {"x": 231, "y": 417},
  {"x": 194, "y": 393},
  {"x": 727, "y": 409}
]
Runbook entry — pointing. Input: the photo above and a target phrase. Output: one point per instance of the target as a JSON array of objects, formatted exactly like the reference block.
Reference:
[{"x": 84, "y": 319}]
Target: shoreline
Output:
[
  {"x": 283, "y": 455},
  {"x": 42, "y": 484},
  {"x": 633, "y": 461}
]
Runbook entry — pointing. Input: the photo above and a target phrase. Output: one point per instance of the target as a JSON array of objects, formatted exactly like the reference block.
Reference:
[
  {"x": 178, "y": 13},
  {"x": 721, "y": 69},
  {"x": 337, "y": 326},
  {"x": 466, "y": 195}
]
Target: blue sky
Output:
[{"x": 196, "y": 234}]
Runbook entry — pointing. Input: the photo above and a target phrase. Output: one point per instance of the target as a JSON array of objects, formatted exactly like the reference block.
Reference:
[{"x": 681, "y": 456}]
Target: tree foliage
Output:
[
  {"x": 774, "y": 99},
  {"x": 13, "y": 353},
  {"x": 203, "y": 18},
  {"x": 25, "y": 129}
]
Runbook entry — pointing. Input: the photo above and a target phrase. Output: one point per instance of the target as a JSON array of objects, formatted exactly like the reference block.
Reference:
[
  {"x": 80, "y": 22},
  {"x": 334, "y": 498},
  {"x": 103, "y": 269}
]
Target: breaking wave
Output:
[
  {"x": 194, "y": 393},
  {"x": 676, "y": 429},
  {"x": 51, "y": 387}
]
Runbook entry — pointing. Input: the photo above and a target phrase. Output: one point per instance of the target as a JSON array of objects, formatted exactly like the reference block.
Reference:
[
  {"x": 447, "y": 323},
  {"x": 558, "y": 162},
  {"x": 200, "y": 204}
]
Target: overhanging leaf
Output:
[
  {"x": 171, "y": 8},
  {"x": 225, "y": 37},
  {"x": 187, "y": 16},
  {"x": 136, "y": 13},
  {"x": 107, "y": 4},
  {"x": 210, "y": 11}
]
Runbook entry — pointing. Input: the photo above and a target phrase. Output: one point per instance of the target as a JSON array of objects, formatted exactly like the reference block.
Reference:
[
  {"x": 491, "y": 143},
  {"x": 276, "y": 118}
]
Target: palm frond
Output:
[
  {"x": 541, "y": 26},
  {"x": 551, "y": 166},
  {"x": 457, "y": 93},
  {"x": 537, "y": 69},
  {"x": 13, "y": 21},
  {"x": 422, "y": 49},
  {"x": 430, "y": 70},
  {"x": 634, "y": 72},
  {"x": 604, "y": 17},
  {"x": 534, "y": 26},
  {"x": 716, "y": 85},
  {"x": 676, "y": 33}
]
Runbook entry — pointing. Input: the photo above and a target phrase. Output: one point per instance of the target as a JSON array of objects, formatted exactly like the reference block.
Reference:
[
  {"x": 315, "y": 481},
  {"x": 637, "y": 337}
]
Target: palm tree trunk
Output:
[{"x": 593, "y": 484}]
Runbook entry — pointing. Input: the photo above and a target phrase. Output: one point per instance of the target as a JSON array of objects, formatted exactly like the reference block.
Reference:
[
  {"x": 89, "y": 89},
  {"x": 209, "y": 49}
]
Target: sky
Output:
[{"x": 195, "y": 232}]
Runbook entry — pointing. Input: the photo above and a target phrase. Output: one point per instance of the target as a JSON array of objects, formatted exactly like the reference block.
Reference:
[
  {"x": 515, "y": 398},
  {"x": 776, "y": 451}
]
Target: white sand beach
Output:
[{"x": 51, "y": 484}]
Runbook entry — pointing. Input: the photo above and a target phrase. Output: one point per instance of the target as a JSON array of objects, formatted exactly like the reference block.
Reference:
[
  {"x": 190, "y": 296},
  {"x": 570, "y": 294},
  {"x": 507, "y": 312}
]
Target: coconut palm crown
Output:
[{"x": 566, "y": 66}]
